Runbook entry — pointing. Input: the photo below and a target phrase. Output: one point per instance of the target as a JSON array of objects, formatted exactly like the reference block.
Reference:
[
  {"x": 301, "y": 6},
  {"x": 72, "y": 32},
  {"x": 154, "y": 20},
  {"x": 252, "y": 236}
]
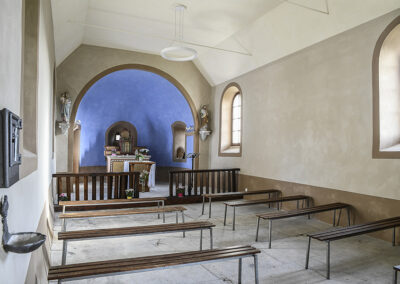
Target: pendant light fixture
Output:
[{"x": 178, "y": 52}]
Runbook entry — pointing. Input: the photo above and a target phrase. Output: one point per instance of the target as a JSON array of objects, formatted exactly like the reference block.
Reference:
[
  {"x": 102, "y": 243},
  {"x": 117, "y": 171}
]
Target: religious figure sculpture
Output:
[
  {"x": 204, "y": 119},
  {"x": 65, "y": 107},
  {"x": 204, "y": 115},
  {"x": 65, "y": 112}
]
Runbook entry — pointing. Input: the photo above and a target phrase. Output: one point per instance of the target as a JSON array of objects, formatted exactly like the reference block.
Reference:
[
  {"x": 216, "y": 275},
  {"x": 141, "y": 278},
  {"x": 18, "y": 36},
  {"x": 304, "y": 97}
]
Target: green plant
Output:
[{"x": 129, "y": 192}]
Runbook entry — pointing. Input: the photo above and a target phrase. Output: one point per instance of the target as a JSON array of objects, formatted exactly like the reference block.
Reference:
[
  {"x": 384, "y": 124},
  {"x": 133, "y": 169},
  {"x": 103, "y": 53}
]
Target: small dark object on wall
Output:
[
  {"x": 19, "y": 242},
  {"x": 10, "y": 157}
]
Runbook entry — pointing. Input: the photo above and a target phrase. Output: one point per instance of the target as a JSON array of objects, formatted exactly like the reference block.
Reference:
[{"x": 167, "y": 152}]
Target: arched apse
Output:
[{"x": 145, "y": 99}]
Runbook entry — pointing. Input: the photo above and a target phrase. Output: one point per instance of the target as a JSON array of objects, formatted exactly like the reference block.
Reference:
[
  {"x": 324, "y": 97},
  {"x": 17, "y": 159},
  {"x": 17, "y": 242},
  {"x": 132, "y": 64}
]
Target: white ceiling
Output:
[{"x": 260, "y": 30}]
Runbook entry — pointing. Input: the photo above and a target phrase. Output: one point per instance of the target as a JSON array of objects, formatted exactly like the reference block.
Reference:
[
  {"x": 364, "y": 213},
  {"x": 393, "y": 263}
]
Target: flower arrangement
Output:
[
  {"x": 129, "y": 193},
  {"x": 144, "y": 175},
  {"x": 63, "y": 197},
  {"x": 180, "y": 192}
]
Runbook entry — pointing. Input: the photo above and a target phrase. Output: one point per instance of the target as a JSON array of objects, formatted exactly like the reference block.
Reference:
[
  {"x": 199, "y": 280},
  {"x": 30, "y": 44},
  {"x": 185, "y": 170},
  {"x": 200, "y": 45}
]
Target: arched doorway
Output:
[{"x": 147, "y": 69}]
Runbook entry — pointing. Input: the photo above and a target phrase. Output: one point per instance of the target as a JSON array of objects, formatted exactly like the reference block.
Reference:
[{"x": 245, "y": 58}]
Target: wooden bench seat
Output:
[
  {"x": 110, "y": 201},
  {"x": 237, "y": 194},
  {"x": 278, "y": 200},
  {"x": 119, "y": 266},
  {"x": 105, "y": 213},
  {"x": 301, "y": 212},
  {"x": 99, "y": 204},
  {"x": 131, "y": 231},
  {"x": 351, "y": 231}
]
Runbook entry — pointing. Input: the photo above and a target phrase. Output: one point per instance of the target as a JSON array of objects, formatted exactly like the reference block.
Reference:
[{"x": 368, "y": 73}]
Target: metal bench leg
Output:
[
  {"x": 240, "y": 271},
  {"x": 183, "y": 221},
  {"x": 395, "y": 277},
  {"x": 269, "y": 197},
  {"x": 158, "y": 206},
  {"x": 394, "y": 237},
  {"x": 211, "y": 239},
  {"x": 308, "y": 252},
  {"x": 201, "y": 239},
  {"x": 258, "y": 227},
  {"x": 176, "y": 214},
  {"x": 226, "y": 208},
  {"x": 209, "y": 207},
  {"x": 202, "y": 209},
  {"x": 65, "y": 243},
  {"x": 234, "y": 217},
  {"x": 348, "y": 216},
  {"x": 308, "y": 206},
  {"x": 270, "y": 233},
  {"x": 298, "y": 203},
  {"x": 328, "y": 260},
  {"x": 334, "y": 218},
  {"x": 340, "y": 214},
  {"x": 256, "y": 269}
]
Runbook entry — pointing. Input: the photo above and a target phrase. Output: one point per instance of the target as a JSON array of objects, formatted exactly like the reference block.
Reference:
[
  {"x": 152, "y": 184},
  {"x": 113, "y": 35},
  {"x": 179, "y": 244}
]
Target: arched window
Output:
[
  {"x": 236, "y": 119},
  {"x": 231, "y": 121},
  {"x": 386, "y": 92}
]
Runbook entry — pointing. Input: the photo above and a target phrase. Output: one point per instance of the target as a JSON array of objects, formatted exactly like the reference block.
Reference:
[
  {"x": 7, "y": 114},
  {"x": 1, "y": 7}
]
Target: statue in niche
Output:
[
  {"x": 204, "y": 117},
  {"x": 65, "y": 107}
]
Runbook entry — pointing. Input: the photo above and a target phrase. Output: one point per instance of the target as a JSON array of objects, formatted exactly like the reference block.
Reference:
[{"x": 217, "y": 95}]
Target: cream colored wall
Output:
[
  {"x": 88, "y": 61},
  {"x": 29, "y": 197},
  {"x": 307, "y": 118}
]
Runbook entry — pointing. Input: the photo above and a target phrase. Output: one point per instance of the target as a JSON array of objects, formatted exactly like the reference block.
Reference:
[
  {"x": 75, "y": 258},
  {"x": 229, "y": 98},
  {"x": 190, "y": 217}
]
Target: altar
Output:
[{"x": 126, "y": 163}]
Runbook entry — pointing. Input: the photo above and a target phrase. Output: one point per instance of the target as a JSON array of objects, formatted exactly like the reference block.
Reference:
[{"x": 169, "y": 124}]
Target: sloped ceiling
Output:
[{"x": 255, "y": 32}]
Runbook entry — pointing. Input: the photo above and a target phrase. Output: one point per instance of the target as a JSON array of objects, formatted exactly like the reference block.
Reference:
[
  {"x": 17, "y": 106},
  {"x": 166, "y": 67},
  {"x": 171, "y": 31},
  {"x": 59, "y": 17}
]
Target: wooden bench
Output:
[
  {"x": 396, "y": 269},
  {"x": 100, "y": 203},
  {"x": 241, "y": 203},
  {"x": 139, "y": 264},
  {"x": 301, "y": 212},
  {"x": 131, "y": 231},
  {"x": 238, "y": 195},
  {"x": 351, "y": 231}
]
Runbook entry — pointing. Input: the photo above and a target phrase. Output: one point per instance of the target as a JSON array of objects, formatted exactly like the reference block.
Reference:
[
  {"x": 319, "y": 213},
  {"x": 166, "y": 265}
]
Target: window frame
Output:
[
  {"x": 240, "y": 118},
  {"x": 225, "y": 147}
]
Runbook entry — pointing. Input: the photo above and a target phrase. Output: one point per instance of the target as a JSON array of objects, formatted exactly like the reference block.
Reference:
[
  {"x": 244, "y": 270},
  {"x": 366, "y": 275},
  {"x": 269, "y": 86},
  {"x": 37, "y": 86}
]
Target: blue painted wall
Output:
[{"x": 148, "y": 101}]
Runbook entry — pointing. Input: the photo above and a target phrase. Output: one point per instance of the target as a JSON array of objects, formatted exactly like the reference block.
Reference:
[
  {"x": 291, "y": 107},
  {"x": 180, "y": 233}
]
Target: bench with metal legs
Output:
[
  {"x": 301, "y": 212},
  {"x": 239, "y": 194},
  {"x": 134, "y": 231},
  {"x": 346, "y": 232},
  {"x": 87, "y": 270},
  {"x": 242, "y": 203},
  {"x": 395, "y": 270}
]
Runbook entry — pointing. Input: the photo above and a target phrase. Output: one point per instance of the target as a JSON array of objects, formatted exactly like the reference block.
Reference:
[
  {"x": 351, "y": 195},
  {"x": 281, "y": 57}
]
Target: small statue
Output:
[
  {"x": 204, "y": 117},
  {"x": 65, "y": 107}
]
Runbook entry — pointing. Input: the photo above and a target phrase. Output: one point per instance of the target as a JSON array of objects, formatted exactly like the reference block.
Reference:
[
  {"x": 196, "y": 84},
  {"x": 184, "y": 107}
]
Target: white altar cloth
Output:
[{"x": 152, "y": 174}]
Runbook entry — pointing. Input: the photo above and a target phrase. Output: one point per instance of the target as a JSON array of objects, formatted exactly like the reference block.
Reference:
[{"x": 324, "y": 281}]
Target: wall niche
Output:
[
  {"x": 123, "y": 135},
  {"x": 179, "y": 141}
]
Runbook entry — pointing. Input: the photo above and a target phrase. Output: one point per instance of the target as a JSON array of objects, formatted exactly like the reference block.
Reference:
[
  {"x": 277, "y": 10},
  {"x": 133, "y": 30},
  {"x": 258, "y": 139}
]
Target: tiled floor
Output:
[{"x": 355, "y": 260}]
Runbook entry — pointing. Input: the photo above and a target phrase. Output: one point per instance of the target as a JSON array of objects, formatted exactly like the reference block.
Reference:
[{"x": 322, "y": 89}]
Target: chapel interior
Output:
[{"x": 160, "y": 141}]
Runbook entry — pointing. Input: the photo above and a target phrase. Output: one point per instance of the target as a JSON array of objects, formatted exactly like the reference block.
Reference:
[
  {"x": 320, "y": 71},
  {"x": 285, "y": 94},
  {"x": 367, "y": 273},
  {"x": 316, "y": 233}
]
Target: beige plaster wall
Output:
[
  {"x": 29, "y": 196},
  {"x": 88, "y": 61},
  {"x": 307, "y": 118}
]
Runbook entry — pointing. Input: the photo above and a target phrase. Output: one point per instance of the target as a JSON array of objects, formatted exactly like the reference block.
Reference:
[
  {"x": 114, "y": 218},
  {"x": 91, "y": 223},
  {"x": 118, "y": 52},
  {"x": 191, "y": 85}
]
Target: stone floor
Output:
[{"x": 355, "y": 260}]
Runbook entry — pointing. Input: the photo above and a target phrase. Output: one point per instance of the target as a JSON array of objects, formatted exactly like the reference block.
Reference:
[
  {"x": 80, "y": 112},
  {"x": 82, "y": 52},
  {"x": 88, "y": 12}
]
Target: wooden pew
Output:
[
  {"x": 139, "y": 264},
  {"x": 134, "y": 231},
  {"x": 239, "y": 194},
  {"x": 351, "y": 231},
  {"x": 97, "y": 203},
  {"x": 278, "y": 200},
  {"x": 301, "y": 212}
]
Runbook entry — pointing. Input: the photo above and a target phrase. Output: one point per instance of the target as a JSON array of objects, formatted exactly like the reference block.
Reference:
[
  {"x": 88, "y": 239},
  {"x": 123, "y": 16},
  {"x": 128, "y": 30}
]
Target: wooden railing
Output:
[
  {"x": 111, "y": 185},
  {"x": 197, "y": 182}
]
